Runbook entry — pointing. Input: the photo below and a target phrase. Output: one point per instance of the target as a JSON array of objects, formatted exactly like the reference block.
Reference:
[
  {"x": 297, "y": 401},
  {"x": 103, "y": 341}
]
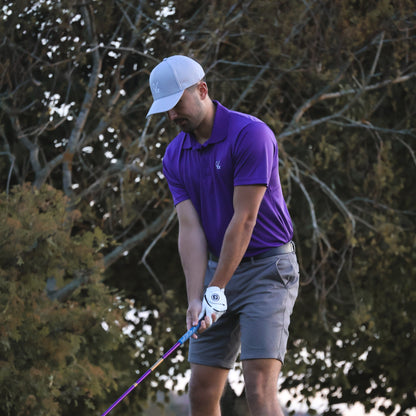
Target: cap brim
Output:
[{"x": 164, "y": 104}]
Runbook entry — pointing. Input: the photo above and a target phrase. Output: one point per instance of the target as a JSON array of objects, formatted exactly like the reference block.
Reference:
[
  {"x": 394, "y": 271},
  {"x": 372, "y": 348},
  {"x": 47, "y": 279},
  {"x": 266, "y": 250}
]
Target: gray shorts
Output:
[{"x": 260, "y": 298}]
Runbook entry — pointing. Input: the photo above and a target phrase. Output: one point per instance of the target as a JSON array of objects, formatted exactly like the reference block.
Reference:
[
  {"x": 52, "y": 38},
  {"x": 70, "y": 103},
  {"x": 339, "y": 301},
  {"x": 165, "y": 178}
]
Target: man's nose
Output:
[{"x": 172, "y": 114}]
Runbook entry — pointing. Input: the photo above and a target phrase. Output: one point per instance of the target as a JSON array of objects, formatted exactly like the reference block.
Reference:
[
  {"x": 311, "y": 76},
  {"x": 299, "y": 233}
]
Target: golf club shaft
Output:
[{"x": 181, "y": 340}]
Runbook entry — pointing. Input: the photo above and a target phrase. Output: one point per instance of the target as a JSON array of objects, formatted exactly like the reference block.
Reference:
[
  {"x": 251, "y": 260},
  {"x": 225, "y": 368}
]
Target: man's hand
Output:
[{"x": 214, "y": 304}]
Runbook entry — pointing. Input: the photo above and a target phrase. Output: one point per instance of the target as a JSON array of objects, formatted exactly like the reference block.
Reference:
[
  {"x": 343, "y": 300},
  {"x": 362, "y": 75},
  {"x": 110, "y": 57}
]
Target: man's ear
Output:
[{"x": 202, "y": 88}]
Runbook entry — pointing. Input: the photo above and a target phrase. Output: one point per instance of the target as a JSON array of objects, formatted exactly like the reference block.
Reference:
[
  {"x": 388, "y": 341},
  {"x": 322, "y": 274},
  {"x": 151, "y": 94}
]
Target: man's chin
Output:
[{"x": 184, "y": 126}]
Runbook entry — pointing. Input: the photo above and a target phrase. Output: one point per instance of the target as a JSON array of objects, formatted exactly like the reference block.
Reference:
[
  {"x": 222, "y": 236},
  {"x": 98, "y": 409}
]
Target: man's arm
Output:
[
  {"x": 193, "y": 252},
  {"x": 246, "y": 202}
]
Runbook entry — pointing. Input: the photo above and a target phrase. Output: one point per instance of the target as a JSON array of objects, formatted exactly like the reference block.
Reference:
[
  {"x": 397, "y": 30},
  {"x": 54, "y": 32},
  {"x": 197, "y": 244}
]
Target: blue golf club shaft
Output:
[{"x": 181, "y": 340}]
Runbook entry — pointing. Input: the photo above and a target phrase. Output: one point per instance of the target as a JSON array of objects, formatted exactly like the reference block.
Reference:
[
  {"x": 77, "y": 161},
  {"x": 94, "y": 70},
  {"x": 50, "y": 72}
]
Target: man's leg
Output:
[
  {"x": 260, "y": 377},
  {"x": 205, "y": 390}
]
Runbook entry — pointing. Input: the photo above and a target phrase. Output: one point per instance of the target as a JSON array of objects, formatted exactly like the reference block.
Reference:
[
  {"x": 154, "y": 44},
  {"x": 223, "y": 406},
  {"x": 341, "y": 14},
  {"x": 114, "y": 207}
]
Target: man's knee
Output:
[
  {"x": 259, "y": 392},
  {"x": 260, "y": 378},
  {"x": 262, "y": 398}
]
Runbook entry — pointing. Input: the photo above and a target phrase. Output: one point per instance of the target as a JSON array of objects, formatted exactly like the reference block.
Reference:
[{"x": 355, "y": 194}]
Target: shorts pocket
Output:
[{"x": 287, "y": 269}]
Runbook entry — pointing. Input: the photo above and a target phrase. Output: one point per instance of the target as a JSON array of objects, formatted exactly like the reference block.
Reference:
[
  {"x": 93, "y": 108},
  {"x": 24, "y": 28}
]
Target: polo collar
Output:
[{"x": 219, "y": 130}]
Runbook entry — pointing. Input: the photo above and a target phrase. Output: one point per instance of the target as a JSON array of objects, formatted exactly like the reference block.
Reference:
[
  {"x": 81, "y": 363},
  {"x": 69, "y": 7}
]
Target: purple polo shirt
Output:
[{"x": 242, "y": 150}]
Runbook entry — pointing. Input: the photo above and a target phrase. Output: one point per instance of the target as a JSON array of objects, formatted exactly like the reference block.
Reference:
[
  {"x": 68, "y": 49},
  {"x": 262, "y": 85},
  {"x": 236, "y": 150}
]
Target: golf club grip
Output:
[{"x": 190, "y": 332}]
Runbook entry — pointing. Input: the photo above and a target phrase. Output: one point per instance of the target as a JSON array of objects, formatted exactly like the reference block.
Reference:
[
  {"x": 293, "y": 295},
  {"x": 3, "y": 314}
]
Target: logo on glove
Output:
[{"x": 214, "y": 301}]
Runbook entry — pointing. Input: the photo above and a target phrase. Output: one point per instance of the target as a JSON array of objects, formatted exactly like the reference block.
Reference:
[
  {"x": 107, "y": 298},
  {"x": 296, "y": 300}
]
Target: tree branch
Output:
[
  {"x": 132, "y": 242},
  {"x": 85, "y": 106},
  {"x": 322, "y": 96}
]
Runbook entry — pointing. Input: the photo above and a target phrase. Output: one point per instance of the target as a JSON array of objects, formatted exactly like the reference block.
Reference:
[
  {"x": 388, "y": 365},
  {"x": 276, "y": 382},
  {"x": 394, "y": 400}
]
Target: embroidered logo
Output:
[
  {"x": 218, "y": 164},
  {"x": 155, "y": 86}
]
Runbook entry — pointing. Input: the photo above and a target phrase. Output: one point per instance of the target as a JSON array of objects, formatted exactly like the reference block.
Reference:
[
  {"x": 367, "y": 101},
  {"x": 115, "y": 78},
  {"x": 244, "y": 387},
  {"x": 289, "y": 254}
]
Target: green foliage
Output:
[{"x": 56, "y": 357}]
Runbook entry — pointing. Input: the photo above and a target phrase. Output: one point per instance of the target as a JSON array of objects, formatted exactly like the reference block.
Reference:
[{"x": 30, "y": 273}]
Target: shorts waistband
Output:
[{"x": 283, "y": 249}]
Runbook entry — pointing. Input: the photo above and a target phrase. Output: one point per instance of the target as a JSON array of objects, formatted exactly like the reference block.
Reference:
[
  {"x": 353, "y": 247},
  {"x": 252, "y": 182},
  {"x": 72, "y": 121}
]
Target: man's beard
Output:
[{"x": 184, "y": 125}]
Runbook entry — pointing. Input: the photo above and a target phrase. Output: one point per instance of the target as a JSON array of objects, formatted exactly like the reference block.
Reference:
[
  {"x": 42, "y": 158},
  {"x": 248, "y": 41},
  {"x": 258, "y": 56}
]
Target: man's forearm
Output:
[
  {"x": 193, "y": 252},
  {"x": 235, "y": 243},
  {"x": 246, "y": 201}
]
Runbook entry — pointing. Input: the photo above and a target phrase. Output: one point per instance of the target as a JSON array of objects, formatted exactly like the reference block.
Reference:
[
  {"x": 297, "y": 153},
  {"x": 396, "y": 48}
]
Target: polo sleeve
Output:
[
  {"x": 176, "y": 185},
  {"x": 254, "y": 152}
]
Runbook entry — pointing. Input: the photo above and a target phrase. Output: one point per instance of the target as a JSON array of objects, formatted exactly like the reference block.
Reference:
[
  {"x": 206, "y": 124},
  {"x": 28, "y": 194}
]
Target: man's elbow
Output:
[{"x": 248, "y": 223}]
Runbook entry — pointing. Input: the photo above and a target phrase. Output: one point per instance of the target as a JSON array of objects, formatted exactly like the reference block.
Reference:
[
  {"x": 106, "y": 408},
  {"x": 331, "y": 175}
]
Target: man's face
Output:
[{"x": 189, "y": 111}]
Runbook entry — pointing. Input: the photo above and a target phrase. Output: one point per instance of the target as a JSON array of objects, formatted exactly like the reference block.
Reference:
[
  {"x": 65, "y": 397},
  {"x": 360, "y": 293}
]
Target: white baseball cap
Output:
[{"x": 169, "y": 79}]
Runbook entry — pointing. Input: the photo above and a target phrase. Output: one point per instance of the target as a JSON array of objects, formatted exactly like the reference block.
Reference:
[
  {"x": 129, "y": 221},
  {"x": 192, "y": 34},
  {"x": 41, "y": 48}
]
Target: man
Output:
[{"x": 234, "y": 240}]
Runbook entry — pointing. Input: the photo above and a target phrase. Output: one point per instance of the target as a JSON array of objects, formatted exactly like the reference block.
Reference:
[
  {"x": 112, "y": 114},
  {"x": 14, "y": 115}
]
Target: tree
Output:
[
  {"x": 56, "y": 356},
  {"x": 334, "y": 79}
]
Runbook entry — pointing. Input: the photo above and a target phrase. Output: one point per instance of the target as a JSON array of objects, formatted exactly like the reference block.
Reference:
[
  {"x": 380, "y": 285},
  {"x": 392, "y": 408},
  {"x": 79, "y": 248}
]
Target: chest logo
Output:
[{"x": 218, "y": 164}]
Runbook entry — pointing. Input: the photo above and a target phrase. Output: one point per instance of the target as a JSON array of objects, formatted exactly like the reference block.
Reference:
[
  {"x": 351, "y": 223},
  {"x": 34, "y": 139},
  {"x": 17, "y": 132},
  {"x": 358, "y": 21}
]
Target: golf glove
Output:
[{"x": 214, "y": 302}]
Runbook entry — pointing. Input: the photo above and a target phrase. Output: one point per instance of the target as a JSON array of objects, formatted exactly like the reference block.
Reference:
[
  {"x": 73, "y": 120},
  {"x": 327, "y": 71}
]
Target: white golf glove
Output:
[{"x": 214, "y": 302}]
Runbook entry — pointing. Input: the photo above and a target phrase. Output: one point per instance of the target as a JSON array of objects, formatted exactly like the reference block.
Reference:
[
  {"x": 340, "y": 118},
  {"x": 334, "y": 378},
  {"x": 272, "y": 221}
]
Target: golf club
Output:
[{"x": 181, "y": 340}]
